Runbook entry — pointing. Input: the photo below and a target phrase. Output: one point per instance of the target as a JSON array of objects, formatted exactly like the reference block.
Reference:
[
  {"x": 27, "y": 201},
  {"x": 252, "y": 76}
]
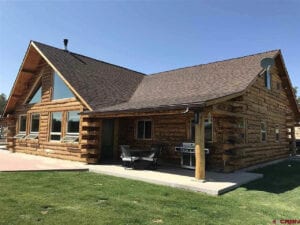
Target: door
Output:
[{"x": 107, "y": 143}]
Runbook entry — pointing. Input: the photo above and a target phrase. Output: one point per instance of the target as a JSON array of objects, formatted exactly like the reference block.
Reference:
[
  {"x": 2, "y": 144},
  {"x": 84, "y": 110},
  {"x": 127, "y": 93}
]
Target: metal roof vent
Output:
[{"x": 66, "y": 44}]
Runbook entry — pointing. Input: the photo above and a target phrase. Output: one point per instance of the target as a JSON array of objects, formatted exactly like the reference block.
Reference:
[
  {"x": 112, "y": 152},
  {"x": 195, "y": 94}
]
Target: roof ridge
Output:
[
  {"x": 224, "y": 60},
  {"x": 74, "y": 53}
]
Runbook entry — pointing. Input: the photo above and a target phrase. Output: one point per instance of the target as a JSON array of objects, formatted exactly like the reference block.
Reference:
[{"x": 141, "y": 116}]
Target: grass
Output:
[{"x": 88, "y": 198}]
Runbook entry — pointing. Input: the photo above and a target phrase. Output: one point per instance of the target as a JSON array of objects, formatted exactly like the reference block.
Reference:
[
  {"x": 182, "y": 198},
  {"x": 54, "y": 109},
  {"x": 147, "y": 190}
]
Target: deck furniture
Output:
[
  {"x": 128, "y": 159},
  {"x": 152, "y": 156}
]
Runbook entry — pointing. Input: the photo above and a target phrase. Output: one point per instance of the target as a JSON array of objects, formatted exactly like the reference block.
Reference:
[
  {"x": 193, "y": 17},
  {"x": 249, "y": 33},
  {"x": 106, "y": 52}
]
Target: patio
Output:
[{"x": 215, "y": 184}]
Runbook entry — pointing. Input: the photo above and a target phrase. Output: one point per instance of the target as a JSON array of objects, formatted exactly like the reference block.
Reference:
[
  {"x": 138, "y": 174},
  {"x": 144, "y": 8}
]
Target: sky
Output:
[{"x": 151, "y": 36}]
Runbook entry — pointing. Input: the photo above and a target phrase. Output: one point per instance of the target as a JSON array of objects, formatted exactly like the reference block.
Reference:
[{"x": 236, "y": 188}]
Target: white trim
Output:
[
  {"x": 50, "y": 130},
  {"x": 19, "y": 123},
  {"x": 34, "y": 132}
]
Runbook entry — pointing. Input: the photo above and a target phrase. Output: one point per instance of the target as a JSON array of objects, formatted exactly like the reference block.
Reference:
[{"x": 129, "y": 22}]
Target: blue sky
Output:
[{"x": 151, "y": 36}]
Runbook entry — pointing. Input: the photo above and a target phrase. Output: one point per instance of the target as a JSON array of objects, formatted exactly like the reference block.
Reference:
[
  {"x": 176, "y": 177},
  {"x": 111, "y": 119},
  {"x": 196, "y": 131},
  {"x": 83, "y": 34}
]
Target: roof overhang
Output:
[
  {"x": 28, "y": 68},
  {"x": 32, "y": 62},
  {"x": 287, "y": 84},
  {"x": 160, "y": 110}
]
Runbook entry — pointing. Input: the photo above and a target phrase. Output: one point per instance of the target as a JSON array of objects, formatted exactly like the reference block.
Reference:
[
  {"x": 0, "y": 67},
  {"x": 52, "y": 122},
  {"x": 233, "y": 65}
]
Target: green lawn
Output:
[{"x": 86, "y": 198}]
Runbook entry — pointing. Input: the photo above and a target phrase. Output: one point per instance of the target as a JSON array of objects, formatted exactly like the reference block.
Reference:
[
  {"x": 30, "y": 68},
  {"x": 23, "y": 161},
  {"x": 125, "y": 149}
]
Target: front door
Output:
[{"x": 107, "y": 146}]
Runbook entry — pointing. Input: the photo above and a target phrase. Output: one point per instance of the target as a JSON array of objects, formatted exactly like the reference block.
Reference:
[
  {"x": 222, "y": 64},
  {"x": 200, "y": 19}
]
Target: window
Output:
[
  {"x": 267, "y": 77},
  {"x": 208, "y": 136},
  {"x": 55, "y": 134},
  {"x": 263, "y": 131},
  {"x": 72, "y": 127},
  {"x": 22, "y": 124},
  {"x": 60, "y": 90},
  {"x": 73, "y": 122},
  {"x": 144, "y": 129},
  {"x": 277, "y": 132},
  {"x": 35, "y": 123},
  {"x": 36, "y": 97}
]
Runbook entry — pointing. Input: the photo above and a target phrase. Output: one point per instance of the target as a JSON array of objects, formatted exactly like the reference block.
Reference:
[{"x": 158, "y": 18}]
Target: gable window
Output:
[
  {"x": 36, "y": 96},
  {"x": 144, "y": 129},
  {"x": 60, "y": 89},
  {"x": 208, "y": 133},
  {"x": 267, "y": 77},
  {"x": 263, "y": 131},
  {"x": 277, "y": 133},
  {"x": 56, "y": 118}
]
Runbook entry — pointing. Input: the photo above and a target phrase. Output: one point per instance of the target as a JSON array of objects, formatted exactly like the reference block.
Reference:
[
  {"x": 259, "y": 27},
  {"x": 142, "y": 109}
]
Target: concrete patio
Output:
[
  {"x": 20, "y": 162},
  {"x": 215, "y": 184}
]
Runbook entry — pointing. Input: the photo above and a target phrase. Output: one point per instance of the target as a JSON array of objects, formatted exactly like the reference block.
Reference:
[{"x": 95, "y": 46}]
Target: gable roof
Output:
[
  {"x": 105, "y": 87},
  {"x": 97, "y": 82},
  {"x": 195, "y": 84}
]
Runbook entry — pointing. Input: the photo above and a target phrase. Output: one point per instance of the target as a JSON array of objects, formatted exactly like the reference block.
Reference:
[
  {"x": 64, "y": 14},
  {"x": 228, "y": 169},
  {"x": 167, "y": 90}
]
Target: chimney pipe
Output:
[{"x": 66, "y": 44}]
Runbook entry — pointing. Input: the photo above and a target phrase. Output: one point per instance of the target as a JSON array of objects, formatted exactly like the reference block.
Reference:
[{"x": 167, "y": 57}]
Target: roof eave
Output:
[{"x": 15, "y": 82}]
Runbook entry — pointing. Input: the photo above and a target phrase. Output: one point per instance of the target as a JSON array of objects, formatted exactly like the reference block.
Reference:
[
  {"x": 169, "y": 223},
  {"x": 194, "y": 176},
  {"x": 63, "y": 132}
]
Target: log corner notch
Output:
[{"x": 199, "y": 145}]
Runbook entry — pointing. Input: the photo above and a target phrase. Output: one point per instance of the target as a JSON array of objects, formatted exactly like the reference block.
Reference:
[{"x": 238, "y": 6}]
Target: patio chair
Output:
[
  {"x": 153, "y": 156},
  {"x": 127, "y": 159}
]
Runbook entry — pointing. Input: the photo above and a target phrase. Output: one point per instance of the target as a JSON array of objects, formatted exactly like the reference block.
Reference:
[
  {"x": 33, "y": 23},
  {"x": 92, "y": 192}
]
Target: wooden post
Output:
[{"x": 199, "y": 148}]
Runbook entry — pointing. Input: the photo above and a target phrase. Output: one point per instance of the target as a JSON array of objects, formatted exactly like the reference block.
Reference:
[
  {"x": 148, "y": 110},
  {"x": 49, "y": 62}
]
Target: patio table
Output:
[{"x": 140, "y": 152}]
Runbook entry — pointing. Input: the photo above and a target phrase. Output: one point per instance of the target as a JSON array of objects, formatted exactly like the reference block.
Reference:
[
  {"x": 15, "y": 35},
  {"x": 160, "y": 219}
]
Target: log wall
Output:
[
  {"x": 238, "y": 141},
  {"x": 236, "y": 128},
  {"x": 168, "y": 130},
  {"x": 42, "y": 145}
]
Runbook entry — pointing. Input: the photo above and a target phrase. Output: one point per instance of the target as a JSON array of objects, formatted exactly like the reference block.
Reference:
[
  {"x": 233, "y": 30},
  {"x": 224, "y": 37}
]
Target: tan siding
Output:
[
  {"x": 259, "y": 104},
  {"x": 43, "y": 146}
]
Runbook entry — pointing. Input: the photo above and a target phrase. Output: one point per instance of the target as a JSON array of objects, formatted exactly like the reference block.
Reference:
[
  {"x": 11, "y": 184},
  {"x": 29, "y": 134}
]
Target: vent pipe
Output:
[{"x": 66, "y": 44}]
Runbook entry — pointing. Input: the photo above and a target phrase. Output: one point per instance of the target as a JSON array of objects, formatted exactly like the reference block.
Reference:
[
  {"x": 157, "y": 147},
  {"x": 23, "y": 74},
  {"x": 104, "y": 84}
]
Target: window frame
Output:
[
  {"x": 263, "y": 131},
  {"x": 144, "y": 131},
  {"x": 192, "y": 126},
  {"x": 30, "y": 130},
  {"x": 67, "y": 123},
  {"x": 53, "y": 88},
  {"x": 19, "y": 127},
  {"x": 56, "y": 133}
]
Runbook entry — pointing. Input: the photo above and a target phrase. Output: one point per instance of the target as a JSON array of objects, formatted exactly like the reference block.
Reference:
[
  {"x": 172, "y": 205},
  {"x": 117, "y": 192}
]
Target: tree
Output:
[
  {"x": 3, "y": 101},
  {"x": 296, "y": 91}
]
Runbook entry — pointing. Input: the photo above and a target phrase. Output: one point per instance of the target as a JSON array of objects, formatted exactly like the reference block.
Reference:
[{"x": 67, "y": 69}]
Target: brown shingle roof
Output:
[
  {"x": 194, "y": 84},
  {"x": 106, "y": 87},
  {"x": 99, "y": 83}
]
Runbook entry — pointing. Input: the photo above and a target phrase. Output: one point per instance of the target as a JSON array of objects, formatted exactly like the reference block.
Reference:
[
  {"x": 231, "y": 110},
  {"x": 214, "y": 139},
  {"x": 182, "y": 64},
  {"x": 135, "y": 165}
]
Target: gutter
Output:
[{"x": 185, "y": 107}]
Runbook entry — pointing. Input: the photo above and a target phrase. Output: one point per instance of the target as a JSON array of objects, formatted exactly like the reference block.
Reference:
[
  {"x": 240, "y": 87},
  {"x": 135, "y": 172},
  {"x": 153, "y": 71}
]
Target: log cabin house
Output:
[{"x": 70, "y": 106}]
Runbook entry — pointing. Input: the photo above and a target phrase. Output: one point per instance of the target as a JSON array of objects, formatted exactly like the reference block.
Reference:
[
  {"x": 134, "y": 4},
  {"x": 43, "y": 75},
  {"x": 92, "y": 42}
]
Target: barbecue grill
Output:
[{"x": 187, "y": 150}]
